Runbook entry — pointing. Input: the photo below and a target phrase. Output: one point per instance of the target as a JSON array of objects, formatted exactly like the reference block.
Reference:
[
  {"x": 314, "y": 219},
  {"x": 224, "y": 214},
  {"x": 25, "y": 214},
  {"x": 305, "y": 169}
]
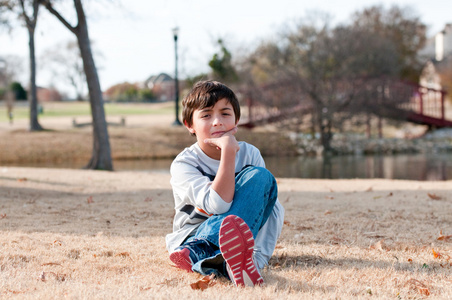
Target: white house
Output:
[{"x": 437, "y": 52}]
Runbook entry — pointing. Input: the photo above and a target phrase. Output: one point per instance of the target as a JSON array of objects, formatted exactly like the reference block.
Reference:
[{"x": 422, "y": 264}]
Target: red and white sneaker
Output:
[
  {"x": 185, "y": 256},
  {"x": 237, "y": 245}
]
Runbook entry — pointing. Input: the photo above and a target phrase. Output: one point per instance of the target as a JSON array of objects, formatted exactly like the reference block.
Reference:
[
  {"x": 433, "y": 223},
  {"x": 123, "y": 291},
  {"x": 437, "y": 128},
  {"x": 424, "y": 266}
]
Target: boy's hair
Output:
[{"x": 207, "y": 94}]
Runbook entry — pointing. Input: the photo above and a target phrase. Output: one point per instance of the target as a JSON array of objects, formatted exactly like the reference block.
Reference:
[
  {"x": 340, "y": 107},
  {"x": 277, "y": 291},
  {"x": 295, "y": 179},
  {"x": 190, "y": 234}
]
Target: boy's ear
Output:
[{"x": 190, "y": 129}]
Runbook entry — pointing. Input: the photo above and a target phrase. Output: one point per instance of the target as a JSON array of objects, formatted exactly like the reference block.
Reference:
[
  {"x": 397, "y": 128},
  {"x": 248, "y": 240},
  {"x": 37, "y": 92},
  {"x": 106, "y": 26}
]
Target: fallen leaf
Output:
[
  {"x": 436, "y": 254},
  {"x": 419, "y": 286},
  {"x": 22, "y": 179},
  {"x": 434, "y": 196},
  {"x": 51, "y": 264},
  {"x": 204, "y": 283},
  {"x": 287, "y": 223},
  {"x": 441, "y": 255},
  {"x": 328, "y": 212},
  {"x": 410, "y": 260},
  {"x": 389, "y": 195},
  {"x": 16, "y": 292},
  {"x": 329, "y": 198},
  {"x": 148, "y": 199},
  {"x": 443, "y": 237},
  {"x": 123, "y": 254},
  {"x": 370, "y": 189},
  {"x": 2, "y": 216},
  {"x": 423, "y": 291},
  {"x": 90, "y": 200}
]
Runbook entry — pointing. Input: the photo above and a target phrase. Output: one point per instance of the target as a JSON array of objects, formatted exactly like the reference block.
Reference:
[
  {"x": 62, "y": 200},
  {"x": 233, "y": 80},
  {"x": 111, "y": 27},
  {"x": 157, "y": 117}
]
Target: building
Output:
[
  {"x": 438, "y": 54},
  {"x": 439, "y": 46},
  {"x": 162, "y": 87}
]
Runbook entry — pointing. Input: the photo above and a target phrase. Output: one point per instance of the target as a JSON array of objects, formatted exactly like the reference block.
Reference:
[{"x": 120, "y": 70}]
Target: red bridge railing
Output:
[
  {"x": 426, "y": 106},
  {"x": 398, "y": 100}
]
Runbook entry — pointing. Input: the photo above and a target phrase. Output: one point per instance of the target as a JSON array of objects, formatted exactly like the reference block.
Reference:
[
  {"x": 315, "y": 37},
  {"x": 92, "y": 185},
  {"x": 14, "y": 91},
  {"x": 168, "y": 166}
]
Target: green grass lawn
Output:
[{"x": 72, "y": 109}]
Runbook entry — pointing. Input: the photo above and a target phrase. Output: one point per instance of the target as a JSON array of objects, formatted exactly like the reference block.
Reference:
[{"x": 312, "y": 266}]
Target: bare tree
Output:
[
  {"x": 65, "y": 62},
  {"x": 101, "y": 155},
  {"x": 30, "y": 22},
  {"x": 314, "y": 63},
  {"x": 340, "y": 72},
  {"x": 28, "y": 12},
  {"x": 402, "y": 28}
]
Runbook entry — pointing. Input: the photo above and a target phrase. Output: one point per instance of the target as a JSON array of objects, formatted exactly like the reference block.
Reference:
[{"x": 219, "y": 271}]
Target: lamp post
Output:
[{"x": 176, "y": 79}]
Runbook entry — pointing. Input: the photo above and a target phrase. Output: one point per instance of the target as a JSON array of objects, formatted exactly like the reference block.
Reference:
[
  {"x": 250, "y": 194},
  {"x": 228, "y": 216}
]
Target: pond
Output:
[{"x": 423, "y": 167}]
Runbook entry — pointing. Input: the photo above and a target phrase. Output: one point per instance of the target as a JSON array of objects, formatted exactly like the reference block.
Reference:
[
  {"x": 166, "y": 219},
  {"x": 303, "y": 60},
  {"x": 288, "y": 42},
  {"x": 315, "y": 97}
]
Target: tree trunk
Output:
[
  {"x": 326, "y": 136},
  {"x": 32, "y": 93},
  {"x": 101, "y": 156},
  {"x": 325, "y": 130}
]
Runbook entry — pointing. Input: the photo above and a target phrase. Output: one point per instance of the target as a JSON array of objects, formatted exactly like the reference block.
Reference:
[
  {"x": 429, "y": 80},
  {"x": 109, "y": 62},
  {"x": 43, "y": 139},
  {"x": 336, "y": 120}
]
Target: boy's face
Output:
[{"x": 212, "y": 122}]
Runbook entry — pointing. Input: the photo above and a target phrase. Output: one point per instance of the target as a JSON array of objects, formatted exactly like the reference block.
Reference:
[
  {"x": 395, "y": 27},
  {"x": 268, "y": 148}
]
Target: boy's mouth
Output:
[{"x": 218, "y": 134}]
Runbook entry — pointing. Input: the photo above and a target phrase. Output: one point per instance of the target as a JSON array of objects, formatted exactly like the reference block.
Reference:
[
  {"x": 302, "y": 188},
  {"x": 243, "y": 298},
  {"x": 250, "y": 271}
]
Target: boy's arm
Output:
[
  {"x": 192, "y": 187},
  {"x": 224, "y": 182}
]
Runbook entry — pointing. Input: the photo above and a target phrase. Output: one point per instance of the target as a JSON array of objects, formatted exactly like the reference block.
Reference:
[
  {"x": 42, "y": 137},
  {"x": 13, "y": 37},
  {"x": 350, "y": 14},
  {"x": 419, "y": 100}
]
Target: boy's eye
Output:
[{"x": 205, "y": 116}]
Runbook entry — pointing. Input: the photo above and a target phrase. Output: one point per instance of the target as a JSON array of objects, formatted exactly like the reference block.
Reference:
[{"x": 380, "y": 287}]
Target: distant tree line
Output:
[
  {"x": 18, "y": 90},
  {"x": 129, "y": 92}
]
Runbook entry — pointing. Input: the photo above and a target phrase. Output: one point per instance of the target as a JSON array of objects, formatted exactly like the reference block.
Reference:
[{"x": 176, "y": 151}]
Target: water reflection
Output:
[
  {"x": 421, "y": 167},
  {"x": 411, "y": 167}
]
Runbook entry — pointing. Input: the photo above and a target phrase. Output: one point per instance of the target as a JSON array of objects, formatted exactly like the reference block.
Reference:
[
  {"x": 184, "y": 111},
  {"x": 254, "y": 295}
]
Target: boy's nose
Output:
[{"x": 217, "y": 121}]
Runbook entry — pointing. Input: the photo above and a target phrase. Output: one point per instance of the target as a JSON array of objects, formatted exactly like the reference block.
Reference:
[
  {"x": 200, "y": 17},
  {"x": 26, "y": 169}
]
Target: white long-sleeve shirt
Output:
[{"x": 192, "y": 173}]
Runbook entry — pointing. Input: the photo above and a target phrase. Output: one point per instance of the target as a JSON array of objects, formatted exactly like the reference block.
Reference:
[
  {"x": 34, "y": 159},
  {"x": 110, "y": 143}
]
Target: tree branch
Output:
[
  {"x": 50, "y": 8},
  {"x": 25, "y": 16},
  {"x": 35, "y": 11}
]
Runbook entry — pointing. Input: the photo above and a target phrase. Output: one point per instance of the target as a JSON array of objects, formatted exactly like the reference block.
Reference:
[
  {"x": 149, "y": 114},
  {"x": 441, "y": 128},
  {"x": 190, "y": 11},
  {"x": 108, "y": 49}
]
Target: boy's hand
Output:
[{"x": 226, "y": 141}]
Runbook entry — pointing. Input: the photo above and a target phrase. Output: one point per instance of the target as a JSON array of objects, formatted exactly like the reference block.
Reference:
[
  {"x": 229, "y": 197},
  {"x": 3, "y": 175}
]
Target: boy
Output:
[{"x": 225, "y": 200}]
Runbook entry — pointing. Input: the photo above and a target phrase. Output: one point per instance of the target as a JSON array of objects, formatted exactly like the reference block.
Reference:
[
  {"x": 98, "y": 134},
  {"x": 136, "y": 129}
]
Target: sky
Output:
[{"x": 134, "y": 38}]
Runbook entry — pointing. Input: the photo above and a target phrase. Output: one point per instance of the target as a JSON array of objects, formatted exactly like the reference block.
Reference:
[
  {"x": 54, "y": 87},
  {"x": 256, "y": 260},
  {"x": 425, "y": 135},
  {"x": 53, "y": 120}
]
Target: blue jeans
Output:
[{"x": 255, "y": 195}]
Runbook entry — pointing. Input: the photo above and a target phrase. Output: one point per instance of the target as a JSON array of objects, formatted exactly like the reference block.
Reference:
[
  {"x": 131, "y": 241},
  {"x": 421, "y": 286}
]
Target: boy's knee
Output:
[{"x": 258, "y": 173}]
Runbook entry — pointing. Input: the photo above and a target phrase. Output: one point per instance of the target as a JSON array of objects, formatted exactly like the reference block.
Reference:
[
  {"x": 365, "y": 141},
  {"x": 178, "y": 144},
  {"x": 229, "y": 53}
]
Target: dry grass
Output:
[
  {"x": 82, "y": 234},
  {"x": 22, "y": 146}
]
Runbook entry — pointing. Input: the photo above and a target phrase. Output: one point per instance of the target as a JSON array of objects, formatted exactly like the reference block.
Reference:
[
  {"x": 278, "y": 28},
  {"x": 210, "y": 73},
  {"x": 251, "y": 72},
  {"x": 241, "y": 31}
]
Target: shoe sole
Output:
[
  {"x": 237, "y": 245},
  {"x": 182, "y": 259}
]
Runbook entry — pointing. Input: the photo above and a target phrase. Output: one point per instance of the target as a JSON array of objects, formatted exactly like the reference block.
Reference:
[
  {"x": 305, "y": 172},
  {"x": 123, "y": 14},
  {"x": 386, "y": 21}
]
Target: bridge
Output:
[{"x": 396, "y": 100}]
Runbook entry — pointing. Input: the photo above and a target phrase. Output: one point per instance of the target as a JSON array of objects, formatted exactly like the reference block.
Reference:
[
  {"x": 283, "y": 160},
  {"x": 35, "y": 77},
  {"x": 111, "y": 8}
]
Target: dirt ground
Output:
[{"x": 81, "y": 234}]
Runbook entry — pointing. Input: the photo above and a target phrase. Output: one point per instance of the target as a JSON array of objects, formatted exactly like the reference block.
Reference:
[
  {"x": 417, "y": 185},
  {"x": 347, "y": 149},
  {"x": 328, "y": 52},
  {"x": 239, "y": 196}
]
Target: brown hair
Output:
[{"x": 207, "y": 94}]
